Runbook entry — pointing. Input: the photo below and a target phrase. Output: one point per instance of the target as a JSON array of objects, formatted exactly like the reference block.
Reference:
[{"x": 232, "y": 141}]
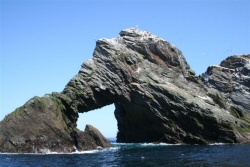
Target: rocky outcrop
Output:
[
  {"x": 158, "y": 98},
  {"x": 232, "y": 79},
  {"x": 41, "y": 126},
  {"x": 99, "y": 139}
]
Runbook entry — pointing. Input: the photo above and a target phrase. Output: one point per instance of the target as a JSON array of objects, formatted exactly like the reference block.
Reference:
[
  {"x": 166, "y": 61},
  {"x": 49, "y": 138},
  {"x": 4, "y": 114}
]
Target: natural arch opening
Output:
[{"x": 103, "y": 119}]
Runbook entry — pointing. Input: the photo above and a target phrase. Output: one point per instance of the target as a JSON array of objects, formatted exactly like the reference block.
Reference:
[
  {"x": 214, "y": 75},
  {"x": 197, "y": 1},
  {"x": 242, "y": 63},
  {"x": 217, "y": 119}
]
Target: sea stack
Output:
[{"x": 157, "y": 98}]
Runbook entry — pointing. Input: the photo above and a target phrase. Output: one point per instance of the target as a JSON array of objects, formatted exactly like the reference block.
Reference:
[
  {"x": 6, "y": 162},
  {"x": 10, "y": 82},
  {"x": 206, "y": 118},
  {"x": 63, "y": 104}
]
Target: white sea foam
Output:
[
  {"x": 95, "y": 151},
  {"x": 142, "y": 144},
  {"x": 85, "y": 152},
  {"x": 48, "y": 152},
  {"x": 215, "y": 144},
  {"x": 53, "y": 152},
  {"x": 160, "y": 144},
  {"x": 123, "y": 144}
]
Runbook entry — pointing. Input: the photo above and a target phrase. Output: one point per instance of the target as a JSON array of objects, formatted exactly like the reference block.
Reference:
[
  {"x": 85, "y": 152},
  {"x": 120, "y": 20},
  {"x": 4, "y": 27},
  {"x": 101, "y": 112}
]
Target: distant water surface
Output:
[{"x": 143, "y": 154}]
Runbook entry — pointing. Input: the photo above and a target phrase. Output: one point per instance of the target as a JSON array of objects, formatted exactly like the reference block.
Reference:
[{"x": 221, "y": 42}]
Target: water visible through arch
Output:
[{"x": 103, "y": 119}]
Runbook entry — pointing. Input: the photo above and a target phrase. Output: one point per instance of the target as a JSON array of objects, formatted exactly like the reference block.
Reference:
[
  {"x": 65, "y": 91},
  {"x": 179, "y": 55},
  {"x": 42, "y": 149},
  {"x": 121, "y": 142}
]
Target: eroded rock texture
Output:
[
  {"x": 232, "y": 79},
  {"x": 41, "y": 126},
  {"x": 157, "y": 96}
]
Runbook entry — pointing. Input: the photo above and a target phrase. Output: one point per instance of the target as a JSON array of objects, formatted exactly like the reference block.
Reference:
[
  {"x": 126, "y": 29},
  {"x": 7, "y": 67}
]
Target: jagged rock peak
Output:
[
  {"x": 135, "y": 36},
  {"x": 236, "y": 61},
  {"x": 232, "y": 78},
  {"x": 143, "y": 45},
  {"x": 134, "y": 32}
]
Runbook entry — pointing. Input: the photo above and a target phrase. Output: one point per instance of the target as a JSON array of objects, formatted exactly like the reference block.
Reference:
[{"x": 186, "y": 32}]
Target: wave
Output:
[
  {"x": 98, "y": 150},
  {"x": 115, "y": 146},
  {"x": 216, "y": 144},
  {"x": 48, "y": 152},
  {"x": 143, "y": 144},
  {"x": 160, "y": 144}
]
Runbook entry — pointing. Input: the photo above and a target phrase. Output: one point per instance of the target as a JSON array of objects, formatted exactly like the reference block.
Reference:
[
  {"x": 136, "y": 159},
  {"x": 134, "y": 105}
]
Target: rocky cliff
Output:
[
  {"x": 232, "y": 79},
  {"x": 158, "y": 98},
  {"x": 41, "y": 126}
]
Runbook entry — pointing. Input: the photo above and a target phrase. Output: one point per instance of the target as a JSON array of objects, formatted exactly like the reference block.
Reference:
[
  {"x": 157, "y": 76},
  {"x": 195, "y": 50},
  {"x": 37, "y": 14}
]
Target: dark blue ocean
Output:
[{"x": 139, "y": 155}]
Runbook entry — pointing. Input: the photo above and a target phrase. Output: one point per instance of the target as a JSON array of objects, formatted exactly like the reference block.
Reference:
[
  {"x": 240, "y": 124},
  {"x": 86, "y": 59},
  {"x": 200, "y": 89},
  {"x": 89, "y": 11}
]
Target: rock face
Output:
[
  {"x": 232, "y": 79},
  {"x": 157, "y": 97},
  {"x": 41, "y": 126}
]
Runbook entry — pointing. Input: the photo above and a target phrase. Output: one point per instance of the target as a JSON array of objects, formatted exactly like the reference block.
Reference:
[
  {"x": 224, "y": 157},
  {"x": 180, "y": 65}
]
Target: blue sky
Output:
[{"x": 44, "y": 43}]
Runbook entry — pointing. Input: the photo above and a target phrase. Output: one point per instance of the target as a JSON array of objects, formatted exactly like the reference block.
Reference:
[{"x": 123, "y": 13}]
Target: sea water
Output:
[{"x": 139, "y": 154}]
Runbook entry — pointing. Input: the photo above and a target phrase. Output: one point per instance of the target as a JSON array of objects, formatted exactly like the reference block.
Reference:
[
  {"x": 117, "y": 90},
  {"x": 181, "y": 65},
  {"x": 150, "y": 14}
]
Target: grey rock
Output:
[
  {"x": 99, "y": 139},
  {"x": 232, "y": 78},
  {"x": 157, "y": 96}
]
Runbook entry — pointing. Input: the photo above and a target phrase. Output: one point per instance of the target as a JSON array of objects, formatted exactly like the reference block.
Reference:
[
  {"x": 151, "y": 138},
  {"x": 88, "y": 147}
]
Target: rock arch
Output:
[
  {"x": 157, "y": 97},
  {"x": 103, "y": 119},
  {"x": 123, "y": 71}
]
